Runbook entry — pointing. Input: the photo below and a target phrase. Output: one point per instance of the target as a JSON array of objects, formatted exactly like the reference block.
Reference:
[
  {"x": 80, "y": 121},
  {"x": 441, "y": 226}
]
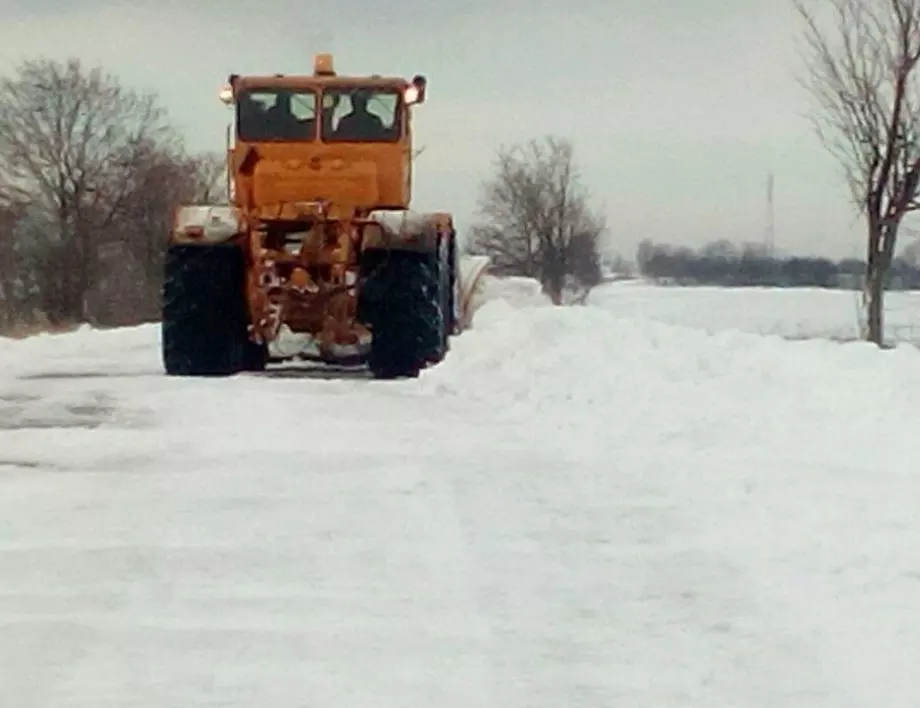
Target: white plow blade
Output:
[{"x": 471, "y": 269}]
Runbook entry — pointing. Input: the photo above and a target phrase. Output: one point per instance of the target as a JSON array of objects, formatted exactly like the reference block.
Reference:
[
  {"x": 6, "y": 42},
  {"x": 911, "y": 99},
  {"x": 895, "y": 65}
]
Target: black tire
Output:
[
  {"x": 402, "y": 303},
  {"x": 205, "y": 317},
  {"x": 453, "y": 294},
  {"x": 445, "y": 285}
]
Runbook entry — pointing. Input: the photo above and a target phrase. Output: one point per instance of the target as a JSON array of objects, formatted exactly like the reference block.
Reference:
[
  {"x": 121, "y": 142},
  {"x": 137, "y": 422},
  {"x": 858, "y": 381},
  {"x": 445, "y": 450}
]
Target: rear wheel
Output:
[
  {"x": 453, "y": 311},
  {"x": 205, "y": 316},
  {"x": 402, "y": 302},
  {"x": 446, "y": 295}
]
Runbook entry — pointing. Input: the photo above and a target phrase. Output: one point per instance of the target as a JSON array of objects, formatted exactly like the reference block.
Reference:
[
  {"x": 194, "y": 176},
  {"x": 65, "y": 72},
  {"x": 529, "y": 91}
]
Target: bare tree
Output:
[
  {"x": 536, "y": 220},
  {"x": 862, "y": 59},
  {"x": 209, "y": 173},
  {"x": 8, "y": 304},
  {"x": 129, "y": 279},
  {"x": 71, "y": 141}
]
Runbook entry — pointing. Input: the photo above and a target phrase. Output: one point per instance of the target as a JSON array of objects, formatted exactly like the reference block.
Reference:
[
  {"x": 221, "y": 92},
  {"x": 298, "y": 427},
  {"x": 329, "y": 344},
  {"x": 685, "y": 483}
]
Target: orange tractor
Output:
[{"x": 316, "y": 255}]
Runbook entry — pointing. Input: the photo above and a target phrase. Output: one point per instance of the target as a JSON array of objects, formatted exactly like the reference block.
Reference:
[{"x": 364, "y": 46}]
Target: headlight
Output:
[{"x": 415, "y": 91}]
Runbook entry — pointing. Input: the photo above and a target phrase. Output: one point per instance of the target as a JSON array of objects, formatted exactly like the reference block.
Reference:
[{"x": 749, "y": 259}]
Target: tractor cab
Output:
[{"x": 341, "y": 140}]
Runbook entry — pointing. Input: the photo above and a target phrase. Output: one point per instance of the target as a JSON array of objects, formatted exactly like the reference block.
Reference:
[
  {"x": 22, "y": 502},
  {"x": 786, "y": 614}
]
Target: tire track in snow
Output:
[
  {"x": 246, "y": 572},
  {"x": 602, "y": 577}
]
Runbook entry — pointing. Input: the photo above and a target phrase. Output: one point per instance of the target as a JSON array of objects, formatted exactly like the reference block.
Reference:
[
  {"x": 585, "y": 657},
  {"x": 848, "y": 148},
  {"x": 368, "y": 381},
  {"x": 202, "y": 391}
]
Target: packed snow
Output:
[{"x": 608, "y": 505}]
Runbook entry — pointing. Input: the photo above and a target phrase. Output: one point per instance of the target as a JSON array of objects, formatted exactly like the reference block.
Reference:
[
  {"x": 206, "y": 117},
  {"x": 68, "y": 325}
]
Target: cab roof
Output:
[{"x": 313, "y": 81}]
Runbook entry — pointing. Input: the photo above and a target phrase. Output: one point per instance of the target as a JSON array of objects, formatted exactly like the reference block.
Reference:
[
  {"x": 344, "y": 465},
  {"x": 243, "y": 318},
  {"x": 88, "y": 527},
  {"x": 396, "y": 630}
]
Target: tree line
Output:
[
  {"x": 90, "y": 172},
  {"x": 721, "y": 263}
]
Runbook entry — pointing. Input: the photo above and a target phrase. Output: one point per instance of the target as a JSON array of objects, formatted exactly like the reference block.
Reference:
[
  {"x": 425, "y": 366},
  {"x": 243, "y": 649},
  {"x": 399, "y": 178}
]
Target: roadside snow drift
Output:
[{"x": 577, "y": 508}]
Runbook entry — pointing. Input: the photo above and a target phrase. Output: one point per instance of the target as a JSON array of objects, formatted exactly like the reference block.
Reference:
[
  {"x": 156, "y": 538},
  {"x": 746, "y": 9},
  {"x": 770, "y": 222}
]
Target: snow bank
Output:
[
  {"x": 519, "y": 292},
  {"x": 592, "y": 355}
]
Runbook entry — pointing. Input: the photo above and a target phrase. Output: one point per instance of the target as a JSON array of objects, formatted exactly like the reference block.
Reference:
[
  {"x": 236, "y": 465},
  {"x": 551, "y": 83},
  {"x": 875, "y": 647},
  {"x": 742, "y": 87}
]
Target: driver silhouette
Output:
[{"x": 360, "y": 124}]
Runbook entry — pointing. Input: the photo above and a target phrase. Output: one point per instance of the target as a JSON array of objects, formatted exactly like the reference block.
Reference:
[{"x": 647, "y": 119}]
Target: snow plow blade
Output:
[{"x": 470, "y": 272}]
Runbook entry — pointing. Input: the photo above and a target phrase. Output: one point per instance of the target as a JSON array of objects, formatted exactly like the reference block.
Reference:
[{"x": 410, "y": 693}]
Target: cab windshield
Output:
[
  {"x": 361, "y": 114},
  {"x": 276, "y": 114}
]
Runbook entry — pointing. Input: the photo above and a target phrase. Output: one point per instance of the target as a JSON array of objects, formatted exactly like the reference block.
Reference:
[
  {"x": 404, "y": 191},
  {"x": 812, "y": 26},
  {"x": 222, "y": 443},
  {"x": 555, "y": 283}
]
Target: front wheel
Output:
[
  {"x": 205, "y": 316},
  {"x": 402, "y": 302}
]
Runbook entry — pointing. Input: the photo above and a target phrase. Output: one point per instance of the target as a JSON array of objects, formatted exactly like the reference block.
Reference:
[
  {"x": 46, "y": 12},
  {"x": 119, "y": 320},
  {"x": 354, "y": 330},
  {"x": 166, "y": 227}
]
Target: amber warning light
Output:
[{"x": 323, "y": 65}]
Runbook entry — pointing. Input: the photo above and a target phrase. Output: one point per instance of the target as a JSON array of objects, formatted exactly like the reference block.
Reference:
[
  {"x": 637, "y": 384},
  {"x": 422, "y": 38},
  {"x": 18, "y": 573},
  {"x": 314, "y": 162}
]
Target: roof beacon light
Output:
[{"x": 323, "y": 65}]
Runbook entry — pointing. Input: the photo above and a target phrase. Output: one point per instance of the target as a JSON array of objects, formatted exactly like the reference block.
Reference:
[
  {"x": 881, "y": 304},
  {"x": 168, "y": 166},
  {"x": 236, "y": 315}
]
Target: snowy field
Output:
[
  {"x": 595, "y": 506},
  {"x": 795, "y": 313}
]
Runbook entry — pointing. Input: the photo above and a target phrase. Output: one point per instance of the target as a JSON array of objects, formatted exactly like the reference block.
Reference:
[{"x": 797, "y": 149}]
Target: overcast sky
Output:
[{"x": 678, "y": 108}]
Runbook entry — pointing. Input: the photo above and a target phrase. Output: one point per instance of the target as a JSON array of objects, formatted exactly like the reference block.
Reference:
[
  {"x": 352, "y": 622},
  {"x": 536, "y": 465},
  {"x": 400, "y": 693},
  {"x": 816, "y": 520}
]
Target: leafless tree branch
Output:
[
  {"x": 861, "y": 59},
  {"x": 93, "y": 171}
]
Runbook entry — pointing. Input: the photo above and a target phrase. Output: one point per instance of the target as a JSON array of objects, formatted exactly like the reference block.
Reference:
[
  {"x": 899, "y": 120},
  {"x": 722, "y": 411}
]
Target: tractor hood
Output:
[{"x": 333, "y": 177}]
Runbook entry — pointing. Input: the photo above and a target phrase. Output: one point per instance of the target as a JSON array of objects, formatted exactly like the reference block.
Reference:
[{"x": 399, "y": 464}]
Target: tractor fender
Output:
[
  {"x": 407, "y": 230},
  {"x": 205, "y": 225}
]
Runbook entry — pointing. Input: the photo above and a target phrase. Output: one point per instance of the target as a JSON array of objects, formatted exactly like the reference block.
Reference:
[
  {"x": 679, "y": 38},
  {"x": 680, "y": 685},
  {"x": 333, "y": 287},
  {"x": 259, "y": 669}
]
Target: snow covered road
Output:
[{"x": 573, "y": 510}]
